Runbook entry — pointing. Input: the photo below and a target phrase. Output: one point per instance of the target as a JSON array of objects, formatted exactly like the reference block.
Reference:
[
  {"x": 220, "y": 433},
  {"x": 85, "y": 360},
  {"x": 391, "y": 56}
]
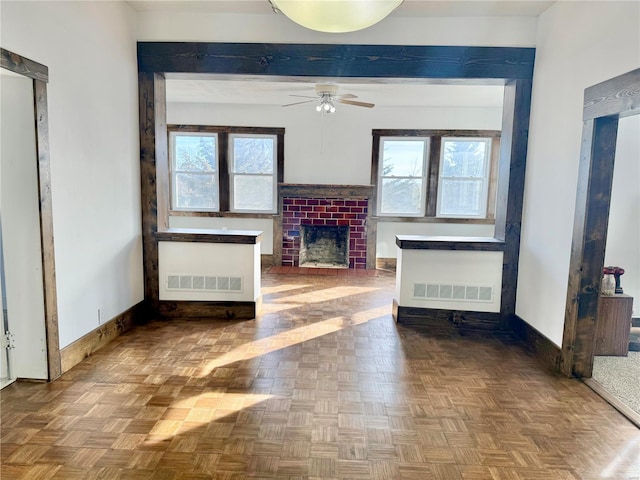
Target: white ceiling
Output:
[
  {"x": 260, "y": 92},
  {"x": 263, "y": 91},
  {"x": 409, "y": 8}
]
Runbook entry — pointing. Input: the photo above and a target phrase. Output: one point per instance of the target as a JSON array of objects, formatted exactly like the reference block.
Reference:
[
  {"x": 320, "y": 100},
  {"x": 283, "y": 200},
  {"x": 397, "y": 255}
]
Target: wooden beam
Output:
[
  {"x": 46, "y": 229},
  {"x": 153, "y": 176},
  {"x": 595, "y": 178},
  {"x": 510, "y": 188},
  {"x": 19, "y": 64},
  {"x": 619, "y": 96},
  {"x": 337, "y": 60}
]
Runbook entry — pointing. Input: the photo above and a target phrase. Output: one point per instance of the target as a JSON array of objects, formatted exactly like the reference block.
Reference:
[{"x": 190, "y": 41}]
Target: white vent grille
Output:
[
  {"x": 181, "y": 281},
  {"x": 453, "y": 292}
]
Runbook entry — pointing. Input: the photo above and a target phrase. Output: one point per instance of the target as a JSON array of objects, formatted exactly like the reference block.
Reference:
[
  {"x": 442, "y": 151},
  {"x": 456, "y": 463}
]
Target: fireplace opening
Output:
[{"x": 324, "y": 246}]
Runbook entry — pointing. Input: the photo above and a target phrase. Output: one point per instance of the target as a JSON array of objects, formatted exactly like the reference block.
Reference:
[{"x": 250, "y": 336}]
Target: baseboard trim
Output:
[
  {"x": 631, "y": 415},
  {"x": 386, "y": 263},
  {"x": 73, "y": 354},
  {"x": 547, "y": 351},
  {"x": 213, "y": 310},
  {"x": 266, "y": 260},
  {"x": 445, "y": 319}
]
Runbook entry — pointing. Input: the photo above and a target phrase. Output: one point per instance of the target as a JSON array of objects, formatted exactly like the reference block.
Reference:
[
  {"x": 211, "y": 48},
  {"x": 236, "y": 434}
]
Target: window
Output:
[
  {"x": 401, "y": 186},
  {"x": 225, "y": 169},
  {"x": 463, "y": 181},
  {"x": 194, "y": 163},
  {"x": 435, "y": 173},
  {"x": 252, "y": 172}
]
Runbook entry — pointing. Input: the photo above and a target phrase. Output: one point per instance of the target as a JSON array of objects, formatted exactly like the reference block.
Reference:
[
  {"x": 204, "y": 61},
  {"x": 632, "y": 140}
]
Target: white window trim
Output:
[
  {"x": 232, "y": 174},
  {"x": 425, "y": 176},
  {"x": 174, "y": 170},
  {"x": 485, "y": 178}
]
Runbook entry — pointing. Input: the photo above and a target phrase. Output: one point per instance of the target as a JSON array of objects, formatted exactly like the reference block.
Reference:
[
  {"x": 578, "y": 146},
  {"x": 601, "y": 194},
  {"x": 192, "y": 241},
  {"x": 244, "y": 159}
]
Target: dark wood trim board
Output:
[
  {"x": 209, "y": 309},
  {"x": 445, "y": 319},
  {"x": 93, "y": 341},
  {"x": 547, "y": 351}
]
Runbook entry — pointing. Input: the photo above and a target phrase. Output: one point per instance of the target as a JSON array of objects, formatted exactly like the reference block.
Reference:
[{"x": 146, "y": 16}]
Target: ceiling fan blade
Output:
[
  {"x": 301, "y": 96},
  {"x": 347, "y": 95},
  {"x": 297, "y": 103},
  {"x": 357, "y": 104}
]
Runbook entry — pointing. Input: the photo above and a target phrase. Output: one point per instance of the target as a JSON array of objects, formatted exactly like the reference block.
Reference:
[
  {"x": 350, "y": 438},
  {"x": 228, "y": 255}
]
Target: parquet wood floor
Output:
[{"x": 323, "y": 385}]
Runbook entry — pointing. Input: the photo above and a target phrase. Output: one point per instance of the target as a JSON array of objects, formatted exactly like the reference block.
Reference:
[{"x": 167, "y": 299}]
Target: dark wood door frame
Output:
[
  {"x": 40, "y": 75},
  {"x": 604, "y": 104},
  {"x": 511, "y": 67}
]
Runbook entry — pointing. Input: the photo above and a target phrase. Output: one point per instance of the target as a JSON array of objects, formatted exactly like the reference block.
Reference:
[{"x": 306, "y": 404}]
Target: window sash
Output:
[
  {"x": 419, "y": 211},
  {"x": 483, "y": 179},
  {"x": 175, "y": 173},
  {"x": 235, "y": 204}
]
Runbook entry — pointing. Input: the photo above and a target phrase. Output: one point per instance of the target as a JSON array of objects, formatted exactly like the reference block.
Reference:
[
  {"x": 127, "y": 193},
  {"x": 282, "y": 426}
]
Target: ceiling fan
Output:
[{"x": 326, "y": 96}]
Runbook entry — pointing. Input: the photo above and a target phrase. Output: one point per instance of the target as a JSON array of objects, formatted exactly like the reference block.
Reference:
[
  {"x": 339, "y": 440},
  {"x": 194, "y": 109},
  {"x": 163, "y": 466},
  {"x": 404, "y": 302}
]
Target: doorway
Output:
[
  {"x": 616, "y": 367},
  {"x": 604, "y": 105},
  {"x": 30, "y": 346}
]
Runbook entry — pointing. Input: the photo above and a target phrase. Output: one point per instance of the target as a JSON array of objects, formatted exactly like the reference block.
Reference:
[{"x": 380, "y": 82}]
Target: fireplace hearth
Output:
[{"x": 324, "y": 246}]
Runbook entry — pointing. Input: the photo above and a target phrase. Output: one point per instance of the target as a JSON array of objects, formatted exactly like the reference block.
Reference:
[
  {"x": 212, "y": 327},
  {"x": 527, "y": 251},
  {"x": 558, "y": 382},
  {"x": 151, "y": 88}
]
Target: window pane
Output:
[
  {"x": 403, "y": 158},
  {"x": 196, "y": 191},
  {"x": 401, "y": 196},
  {"x": 195, "y": 154},
  {"x": 461, "y": 197},
  {"x": 253, "y": 155},
  {"x": 252, "y": 192},
  {"x": 464, "y": 158}
]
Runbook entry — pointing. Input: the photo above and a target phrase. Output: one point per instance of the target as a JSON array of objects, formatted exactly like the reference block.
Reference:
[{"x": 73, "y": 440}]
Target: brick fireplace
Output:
[{"x": 323, "y": 205}]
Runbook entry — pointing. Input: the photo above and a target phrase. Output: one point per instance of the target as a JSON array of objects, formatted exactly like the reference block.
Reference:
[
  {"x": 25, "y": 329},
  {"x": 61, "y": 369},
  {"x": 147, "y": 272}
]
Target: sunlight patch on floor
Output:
[
  {"x": 227, "y": 404},
  {"x": 281, "y": 288},
  {"x": 291, "y": 337},
  {"x": 628, "y": 459},
  {"x": 327, "y": 294}
]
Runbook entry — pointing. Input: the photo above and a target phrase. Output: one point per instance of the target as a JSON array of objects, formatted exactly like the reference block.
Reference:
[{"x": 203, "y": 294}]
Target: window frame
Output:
[
  {"x": 429, "y": 214},
  {"x": 425, "y": 174},
  {"x": 232, "y": 174},
  {"x": 224, "y": 179},
  {"x": 485, "y": 177},
  {"x": 173, "y": 171}
]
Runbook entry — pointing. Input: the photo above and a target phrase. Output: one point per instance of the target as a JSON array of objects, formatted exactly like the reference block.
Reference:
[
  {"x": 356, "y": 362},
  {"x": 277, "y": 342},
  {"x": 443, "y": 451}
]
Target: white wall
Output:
[
  {"x": 579, "y": 44},
  {"x": 623, "y": 234},
  {"x": 91, "y": 54}
]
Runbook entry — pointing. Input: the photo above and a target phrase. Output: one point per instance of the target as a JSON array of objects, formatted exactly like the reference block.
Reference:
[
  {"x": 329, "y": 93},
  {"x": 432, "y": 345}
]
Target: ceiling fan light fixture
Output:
[
  {"x": 336, "y": 16},
  {"x": 326, "y": 104}
]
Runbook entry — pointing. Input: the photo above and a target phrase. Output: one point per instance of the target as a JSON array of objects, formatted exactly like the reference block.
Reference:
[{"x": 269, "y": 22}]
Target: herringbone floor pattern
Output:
[{"x": 323, "y": 385}]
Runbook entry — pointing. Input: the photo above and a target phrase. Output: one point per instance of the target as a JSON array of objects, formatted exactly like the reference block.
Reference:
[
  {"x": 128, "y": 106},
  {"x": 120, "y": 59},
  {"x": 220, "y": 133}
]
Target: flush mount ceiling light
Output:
[{"x": 336, "y": 16}]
